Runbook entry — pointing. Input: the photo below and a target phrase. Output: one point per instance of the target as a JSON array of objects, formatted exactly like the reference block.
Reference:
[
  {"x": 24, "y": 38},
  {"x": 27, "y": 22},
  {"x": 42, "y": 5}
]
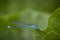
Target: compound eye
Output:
[{"x": 8, "y": 26}]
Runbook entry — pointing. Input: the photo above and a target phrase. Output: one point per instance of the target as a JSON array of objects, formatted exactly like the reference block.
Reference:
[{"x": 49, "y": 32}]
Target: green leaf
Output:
[
  {"x": 39, "y": 35},
  {"x": 54, "y": 21},
  {"x": 54, "y": 26},
  {"x": 52, "y": 31}
]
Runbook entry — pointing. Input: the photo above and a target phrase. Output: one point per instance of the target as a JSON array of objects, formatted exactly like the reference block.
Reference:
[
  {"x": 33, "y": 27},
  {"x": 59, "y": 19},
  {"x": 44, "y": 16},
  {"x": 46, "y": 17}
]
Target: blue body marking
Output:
[{"x": 25, "y": 25}]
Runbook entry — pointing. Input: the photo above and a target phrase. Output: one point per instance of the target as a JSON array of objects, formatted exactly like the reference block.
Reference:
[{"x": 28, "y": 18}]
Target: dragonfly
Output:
[{"x": 24, "y": 25}]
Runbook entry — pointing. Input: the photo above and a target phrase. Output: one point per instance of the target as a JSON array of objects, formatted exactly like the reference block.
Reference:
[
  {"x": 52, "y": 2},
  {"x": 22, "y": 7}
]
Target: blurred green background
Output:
[{"x": 28, "y": 11}]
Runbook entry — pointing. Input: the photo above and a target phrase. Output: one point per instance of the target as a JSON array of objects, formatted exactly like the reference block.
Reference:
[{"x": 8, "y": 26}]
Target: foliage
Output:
[{"x": 33, "y": 12}]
